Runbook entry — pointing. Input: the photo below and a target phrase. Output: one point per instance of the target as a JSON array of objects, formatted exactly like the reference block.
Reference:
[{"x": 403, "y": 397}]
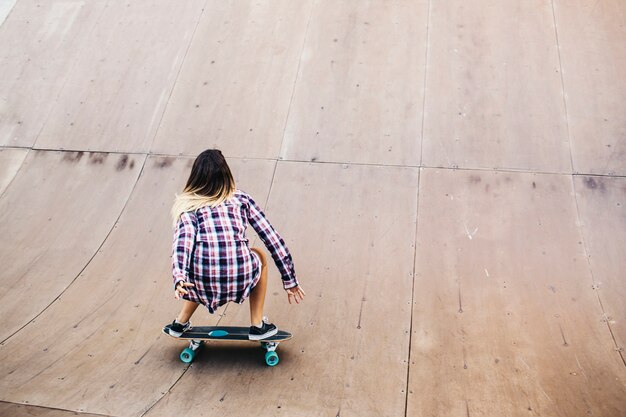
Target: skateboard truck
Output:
[{"x": 271, "y": 357}]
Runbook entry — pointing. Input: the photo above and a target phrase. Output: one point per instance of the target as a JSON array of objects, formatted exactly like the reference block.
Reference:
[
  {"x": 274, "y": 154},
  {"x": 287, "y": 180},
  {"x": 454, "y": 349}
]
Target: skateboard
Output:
[{"x": 199, "y": 335}]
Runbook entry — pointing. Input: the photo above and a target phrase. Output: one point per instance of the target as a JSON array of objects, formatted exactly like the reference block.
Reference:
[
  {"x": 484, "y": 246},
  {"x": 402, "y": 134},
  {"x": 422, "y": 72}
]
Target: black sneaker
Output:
[
  {"x": 177, "y": 329},
  {"x": 259, "y": 333}
]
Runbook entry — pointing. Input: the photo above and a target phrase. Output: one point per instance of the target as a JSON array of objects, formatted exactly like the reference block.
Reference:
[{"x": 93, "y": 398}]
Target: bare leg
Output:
[
  {"x": 257, "y": 295},
  {"x": 189, "y": 307}
]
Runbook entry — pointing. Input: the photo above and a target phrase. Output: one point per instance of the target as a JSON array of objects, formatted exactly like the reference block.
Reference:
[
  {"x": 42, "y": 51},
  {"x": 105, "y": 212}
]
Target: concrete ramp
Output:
[
  {"x": 448, "y": 176},
  {"x": 526, "y": 319},
  {"x": 11, "y": 159},
  {"x": 119, "y": 324},
  {"x": 56, "y": 213}
]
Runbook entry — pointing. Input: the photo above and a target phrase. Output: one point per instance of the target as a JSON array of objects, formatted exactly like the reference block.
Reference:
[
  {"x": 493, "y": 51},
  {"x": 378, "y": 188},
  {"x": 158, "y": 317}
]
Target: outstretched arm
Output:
[{"x": 275, "y": 244}]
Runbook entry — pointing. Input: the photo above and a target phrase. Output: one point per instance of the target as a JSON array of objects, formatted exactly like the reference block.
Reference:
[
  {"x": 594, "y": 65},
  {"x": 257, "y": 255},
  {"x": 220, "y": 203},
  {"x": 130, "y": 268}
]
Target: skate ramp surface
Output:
[{"x": 450, "y": 179}]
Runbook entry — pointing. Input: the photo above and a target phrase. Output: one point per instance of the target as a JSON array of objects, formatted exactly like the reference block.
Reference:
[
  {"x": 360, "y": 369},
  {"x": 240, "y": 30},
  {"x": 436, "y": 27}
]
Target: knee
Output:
[{"x": 261, "y": 257}]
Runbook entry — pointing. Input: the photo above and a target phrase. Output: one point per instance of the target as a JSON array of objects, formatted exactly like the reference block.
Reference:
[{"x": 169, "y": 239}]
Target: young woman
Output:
[{"x": 212, "y": 261}]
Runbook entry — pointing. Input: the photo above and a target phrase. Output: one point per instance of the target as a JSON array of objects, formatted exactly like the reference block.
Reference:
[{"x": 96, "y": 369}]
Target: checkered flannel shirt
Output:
[{"x": 211, "y": 250}]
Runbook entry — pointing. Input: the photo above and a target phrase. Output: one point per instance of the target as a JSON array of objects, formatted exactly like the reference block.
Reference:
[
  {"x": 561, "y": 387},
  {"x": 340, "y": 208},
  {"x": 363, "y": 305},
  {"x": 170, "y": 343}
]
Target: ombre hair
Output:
[{"x": 210, "y": 184}]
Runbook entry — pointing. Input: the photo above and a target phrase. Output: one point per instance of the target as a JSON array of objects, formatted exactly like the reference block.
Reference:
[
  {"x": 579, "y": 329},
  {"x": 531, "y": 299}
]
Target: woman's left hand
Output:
[{"x": 296, "y": 293}]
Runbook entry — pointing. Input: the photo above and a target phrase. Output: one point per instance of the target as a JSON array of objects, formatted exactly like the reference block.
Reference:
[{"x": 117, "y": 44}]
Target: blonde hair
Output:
[
  {"x": 210, "y": 184},
  {"x": 191, "y": 201}
]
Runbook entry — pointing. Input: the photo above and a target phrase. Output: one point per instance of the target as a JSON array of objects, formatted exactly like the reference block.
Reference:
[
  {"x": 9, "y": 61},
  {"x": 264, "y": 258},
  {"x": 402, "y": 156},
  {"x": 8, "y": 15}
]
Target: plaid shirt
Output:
[{"x": 211, "y": 251}]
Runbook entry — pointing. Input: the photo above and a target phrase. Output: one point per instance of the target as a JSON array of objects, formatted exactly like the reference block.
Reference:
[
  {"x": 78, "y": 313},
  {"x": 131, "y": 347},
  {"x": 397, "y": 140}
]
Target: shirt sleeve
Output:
[
  {"x": 182, "y": 249},
  {"x": 274, "y": 243}
]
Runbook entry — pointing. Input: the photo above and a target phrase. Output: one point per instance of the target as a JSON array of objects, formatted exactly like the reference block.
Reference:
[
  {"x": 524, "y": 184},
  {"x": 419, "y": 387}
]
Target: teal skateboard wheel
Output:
[
  {"x": 271, "y": 358},
  {"x": 187, "y": 355}
]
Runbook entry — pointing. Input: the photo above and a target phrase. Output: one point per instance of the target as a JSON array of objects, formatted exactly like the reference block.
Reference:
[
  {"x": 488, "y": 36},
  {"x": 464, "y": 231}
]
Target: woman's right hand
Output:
[
  {"x": 296, "y": 293},
  {"x": 181, "y": 289}
]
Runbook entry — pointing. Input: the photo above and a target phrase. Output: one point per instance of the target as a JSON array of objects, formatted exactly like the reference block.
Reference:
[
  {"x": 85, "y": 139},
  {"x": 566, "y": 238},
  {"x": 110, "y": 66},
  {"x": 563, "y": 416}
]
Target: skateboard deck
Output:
[{"x": 200, "y": 334}]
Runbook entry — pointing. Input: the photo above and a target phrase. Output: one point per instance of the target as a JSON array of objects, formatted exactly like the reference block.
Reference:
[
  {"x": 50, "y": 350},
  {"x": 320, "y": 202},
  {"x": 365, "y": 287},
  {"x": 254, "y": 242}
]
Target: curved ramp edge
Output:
[
  {"x": 25, "y": 410},
  {"x": 58, "y": 211},
  {"x": 107, "y": 354}
]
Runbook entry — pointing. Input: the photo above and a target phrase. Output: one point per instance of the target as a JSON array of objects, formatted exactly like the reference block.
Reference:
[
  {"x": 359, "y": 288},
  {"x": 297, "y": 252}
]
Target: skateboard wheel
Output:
[
  {"x": 271, "y": 358},
  {"x": 187, "y": 355}
]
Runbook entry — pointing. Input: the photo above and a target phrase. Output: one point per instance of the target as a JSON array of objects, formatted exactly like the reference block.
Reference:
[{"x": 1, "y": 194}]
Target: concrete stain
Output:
[
  {"x": 475, "y": 179},
  {"x": 121, "y": 164},
  {"x": 97, "y": 158},
  {"x": 595, "y": 184},
  {"x": 165, "y": 162},
  {"x": 73, "y": 156}
]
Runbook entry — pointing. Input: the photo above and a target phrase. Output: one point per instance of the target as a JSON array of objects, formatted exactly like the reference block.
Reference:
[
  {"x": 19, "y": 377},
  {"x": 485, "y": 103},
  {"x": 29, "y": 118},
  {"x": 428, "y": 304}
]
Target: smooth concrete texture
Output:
[
  {"x": 506, "y": 319},
  {"x": 359, "y": 93},
  {"x": 10, "y": 162},
  {"x": 494, "y": 97},
  {"x": 38, "y": 44},
  {"x": 54, "y": 216},
  {"x": 115, "y": 94},
  {"x": 602, "y": 205},
  {"x": 19, "y": 410},
  {"x": 449, "y": 178},
  {"x": 595, "y": 85},
  {"x": 228, "y": 97},
  {"x": 5, "y": 8}
]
